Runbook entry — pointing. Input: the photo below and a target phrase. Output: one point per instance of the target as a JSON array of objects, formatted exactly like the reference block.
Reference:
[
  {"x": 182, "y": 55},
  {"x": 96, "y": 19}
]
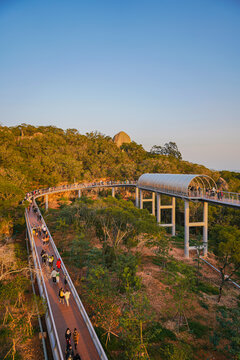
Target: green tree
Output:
[
  {"x": 136, "y": 314},
  {"x": 182, "y": 285},
  {"x": 169, "y": 149},
  {"x": 228, "y": 256}
]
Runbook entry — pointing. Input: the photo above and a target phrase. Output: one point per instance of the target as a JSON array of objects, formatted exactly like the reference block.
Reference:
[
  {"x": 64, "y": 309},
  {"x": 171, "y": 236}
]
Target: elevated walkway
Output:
[{"x": 59, "y": 317}]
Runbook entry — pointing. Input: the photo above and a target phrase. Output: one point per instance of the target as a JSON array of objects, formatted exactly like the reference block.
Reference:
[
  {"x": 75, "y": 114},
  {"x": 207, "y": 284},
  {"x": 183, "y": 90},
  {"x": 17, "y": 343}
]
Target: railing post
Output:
[
  {"x": 158, "y": 208},
  {"x": 141, "y": 198},
  {"x": 205, "y": 228},
  {"x": 173, "y": 216},
  {"x": 79, "y": 193},
  {"x": 153, "y": 203},
  {"x": 113, "y": 191},
  {"x": 46, "y": 202},
  {"x": 186, "y": 228},
  {"x": 137, "y": 197}
]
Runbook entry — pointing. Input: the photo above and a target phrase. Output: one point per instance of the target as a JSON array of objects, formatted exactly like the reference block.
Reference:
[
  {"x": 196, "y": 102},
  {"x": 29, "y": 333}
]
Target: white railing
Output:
[
  {"x": 81, "y": 308},
  {"x": 224, "y": 196},
  {"x": 51, "y": 327},
  {"x": 165, "y": 191},
  {"x": 71, "y": 187}
]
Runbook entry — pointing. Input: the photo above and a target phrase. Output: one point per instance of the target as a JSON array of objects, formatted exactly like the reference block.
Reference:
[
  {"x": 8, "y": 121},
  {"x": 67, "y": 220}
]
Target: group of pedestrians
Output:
[
  {"x": 194, "y": 191},
  {"x": 210, "y": 193},
  {"x": 214, "y": 193},
  {"x": 69, "y": 349},
  {"x": 54, "y": 269},
  {"x": 47, "y": 259},
  {"x": 64, "y": 295}
]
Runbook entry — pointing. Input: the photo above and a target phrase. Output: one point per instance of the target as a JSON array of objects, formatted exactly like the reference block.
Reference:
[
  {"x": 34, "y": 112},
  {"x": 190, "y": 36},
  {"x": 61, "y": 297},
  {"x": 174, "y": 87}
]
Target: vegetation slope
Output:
[{"x": 34, "y": 157}]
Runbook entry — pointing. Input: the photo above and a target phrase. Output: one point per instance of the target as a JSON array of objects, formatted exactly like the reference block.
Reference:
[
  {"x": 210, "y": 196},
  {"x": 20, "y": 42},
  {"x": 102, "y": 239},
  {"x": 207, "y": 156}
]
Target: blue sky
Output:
[{"x": 160, "y": 70}]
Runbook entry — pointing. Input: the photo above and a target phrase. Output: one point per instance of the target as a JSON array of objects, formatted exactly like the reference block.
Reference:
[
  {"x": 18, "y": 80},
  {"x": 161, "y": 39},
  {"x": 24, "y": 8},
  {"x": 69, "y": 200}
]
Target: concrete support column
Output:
[
  {"x": 158, "y": 208},
  {"x": 205, "y": 228},
  {"x": 173, "y": 216},
  {"x": 153, "y": 203},
  {"x": 46, "y": 202},
  {"x": 141, "y": 198},
  {"x": 186, "y": 228},
  {"x": 137, "y": 197},
  {"x": 113, "y": 192},
  {"x": 79, "y": 193}
]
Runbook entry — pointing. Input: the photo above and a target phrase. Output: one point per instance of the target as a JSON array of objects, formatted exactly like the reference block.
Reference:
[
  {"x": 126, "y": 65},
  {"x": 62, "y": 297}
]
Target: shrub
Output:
[
  {"x": 198, "y": 329},
  {"x": 207, "y": 288},
  {"x": 158, "y": 333}
]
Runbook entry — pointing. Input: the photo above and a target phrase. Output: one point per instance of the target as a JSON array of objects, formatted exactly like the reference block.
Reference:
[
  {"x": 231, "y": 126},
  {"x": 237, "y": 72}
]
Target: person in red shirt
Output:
[{"x": 58, "y": 264}]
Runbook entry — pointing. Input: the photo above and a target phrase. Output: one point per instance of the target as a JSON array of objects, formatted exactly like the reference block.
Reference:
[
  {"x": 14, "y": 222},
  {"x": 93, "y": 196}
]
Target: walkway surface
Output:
[{"x": 65, "y": 317}]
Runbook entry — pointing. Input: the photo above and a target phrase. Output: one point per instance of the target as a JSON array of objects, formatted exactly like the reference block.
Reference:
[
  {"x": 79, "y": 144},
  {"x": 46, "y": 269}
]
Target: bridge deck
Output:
[{"x": 65, "y": 317}]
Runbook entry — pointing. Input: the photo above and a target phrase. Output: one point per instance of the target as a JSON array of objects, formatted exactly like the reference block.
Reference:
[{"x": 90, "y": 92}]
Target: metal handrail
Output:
[
  {"x": 217, "y": 270},
  {"x": 38, "y": 315},
  {"x": 57, "y": 350},
  {"x": 81, "y": 308},
  {"x": 224, "y": 195},
  {"x": 40, "y": 192}
]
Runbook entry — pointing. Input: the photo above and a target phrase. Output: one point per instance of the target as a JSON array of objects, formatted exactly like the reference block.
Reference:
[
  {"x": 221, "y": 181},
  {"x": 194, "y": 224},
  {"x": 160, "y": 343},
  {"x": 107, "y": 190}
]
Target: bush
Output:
[
  {"x": 198, "y": 329},
  {"x": 207, "y": 288},
  {"x": 179, "y": 351},
  {"x": 158, "y": 333},
  {"x": 203, "y": 304}
]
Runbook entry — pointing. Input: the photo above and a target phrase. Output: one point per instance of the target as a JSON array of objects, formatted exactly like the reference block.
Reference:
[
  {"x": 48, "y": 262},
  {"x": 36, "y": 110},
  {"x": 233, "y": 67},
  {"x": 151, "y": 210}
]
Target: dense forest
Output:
[{"x": 34, "y": 157}]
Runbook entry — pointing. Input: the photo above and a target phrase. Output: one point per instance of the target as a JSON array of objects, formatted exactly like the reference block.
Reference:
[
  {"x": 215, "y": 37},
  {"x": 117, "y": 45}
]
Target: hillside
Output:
[{"x": 34, "y": 157}]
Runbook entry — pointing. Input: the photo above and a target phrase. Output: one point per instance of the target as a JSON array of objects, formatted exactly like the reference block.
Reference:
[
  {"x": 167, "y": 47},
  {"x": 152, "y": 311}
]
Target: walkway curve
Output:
[
  {"x": 229, "y": 199},
  {"x": 90, "y": 347},
  {"x": 59, "y": 316}
]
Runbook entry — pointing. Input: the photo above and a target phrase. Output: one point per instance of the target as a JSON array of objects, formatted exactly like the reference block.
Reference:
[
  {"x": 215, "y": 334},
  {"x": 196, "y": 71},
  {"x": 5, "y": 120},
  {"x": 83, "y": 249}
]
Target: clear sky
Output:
[{"x": 160, "y": 70}]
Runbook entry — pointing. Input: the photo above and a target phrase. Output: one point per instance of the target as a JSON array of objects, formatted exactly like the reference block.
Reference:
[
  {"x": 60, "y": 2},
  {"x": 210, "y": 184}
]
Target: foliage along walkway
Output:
[{"x": 65, "y": 317}]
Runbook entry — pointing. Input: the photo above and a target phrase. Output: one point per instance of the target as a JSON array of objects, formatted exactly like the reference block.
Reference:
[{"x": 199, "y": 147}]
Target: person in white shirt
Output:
[
  {"x": 53, "y": 275},
  {"x": 67, "y": 296}
]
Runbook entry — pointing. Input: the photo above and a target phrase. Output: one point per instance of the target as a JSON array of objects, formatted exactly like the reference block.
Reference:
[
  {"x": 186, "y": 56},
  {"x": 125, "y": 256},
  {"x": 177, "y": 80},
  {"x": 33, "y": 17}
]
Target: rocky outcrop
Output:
[{"x": 121, "y": 138}]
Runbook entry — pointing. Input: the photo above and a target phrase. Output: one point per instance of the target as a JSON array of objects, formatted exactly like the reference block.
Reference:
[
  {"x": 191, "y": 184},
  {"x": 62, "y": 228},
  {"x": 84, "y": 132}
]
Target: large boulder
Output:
[{"x": 121, "y": 138}]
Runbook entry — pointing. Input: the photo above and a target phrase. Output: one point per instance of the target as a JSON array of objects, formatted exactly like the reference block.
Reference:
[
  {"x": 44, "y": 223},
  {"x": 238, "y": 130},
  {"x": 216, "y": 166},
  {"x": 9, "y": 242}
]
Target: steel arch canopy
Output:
[{"x": 174, "y": 183}]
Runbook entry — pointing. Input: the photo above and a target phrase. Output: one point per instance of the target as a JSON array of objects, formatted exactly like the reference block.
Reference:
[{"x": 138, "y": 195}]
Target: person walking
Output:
[
  {"x": 57, "y": 276},
  {"x": 68, "y": 335},
  {"x": 61, "y": 295},
  {"x": 43, "y": 252},
  {"x": 45, "y": 258},
  {"x": 45, "y": 240},
  {"x": 75, "y": 338},
  {"x": 44, "y": 229},
  {"x": 50, "y": 261},
  {"x": 65, "y": 279},
  {"x": 58, "y": 264},
  {"x": 69, "y": 353},
  {"x": 77, "y": 357},
  {"x": 53, "y": 275},
  {"x": 67, "y": 296}
]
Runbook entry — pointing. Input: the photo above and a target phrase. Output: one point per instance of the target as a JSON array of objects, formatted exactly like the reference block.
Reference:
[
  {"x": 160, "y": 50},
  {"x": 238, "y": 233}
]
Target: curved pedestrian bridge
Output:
[
  {"x": 188, "y": 187},
  {"x": 195, "y": 187}
]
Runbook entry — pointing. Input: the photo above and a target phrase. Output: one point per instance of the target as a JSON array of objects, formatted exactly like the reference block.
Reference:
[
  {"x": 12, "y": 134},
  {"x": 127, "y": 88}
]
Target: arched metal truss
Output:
[{"x": 175, "y": 183}]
